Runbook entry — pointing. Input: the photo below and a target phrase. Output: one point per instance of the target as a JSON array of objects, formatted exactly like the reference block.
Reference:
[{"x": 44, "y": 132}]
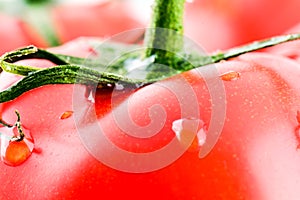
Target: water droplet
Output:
[
  {"x": 201, "y": 136},
  {"x": 15, "y": 151},
  {"x": 137, "y": 68},
  {"x": 119, "y": 86},
  {"x": 66, "y": 114},
  {"x": 190, "y": 132},
  {"x": 137, "y": 63},
  {"x": 230, "y": 76},
  {"x": 68, "y": 59},
  {"x": 90, "y": 94}
]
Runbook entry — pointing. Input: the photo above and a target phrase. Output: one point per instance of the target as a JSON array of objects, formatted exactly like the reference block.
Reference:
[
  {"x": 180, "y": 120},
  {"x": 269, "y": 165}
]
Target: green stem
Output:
[
  {"x": 21, "y": 135},
  {"x": 164, "y": 38},
  {"x": 38, "y": 1},
  {"x": 71, "y": 71},
  {"x": 256, "y": 46},
  {"x": 32, "y": 52},
  {"x": 67, "y": 74},
  {"x": 18, "y": 125}
]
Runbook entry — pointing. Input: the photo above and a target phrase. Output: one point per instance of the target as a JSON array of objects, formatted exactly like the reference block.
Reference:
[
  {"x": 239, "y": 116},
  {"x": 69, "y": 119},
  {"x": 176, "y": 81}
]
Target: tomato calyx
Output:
[
  {"x": 21, "y": 135},
  {"x": 87, "y": 71}
]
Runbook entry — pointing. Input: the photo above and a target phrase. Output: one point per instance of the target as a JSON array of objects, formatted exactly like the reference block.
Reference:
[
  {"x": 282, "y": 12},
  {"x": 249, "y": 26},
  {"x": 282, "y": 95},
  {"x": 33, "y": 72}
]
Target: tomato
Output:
[
  {"x": 221, "y": 24},
  {"x": 15, "y": 33},
  {"x": 102, "y": 20},
  {"x": 95, "y": 20},
  {"x": 255, "y": 157}
]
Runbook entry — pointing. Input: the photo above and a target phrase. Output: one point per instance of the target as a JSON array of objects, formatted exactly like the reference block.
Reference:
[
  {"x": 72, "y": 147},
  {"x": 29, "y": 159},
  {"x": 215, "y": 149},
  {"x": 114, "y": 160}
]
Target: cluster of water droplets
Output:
[{"x": 191, "y": 133}]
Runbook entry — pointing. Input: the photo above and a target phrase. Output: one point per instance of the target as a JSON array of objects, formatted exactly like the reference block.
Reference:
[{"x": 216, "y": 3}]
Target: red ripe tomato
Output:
[
  {"x": 70, "y": 22},
  {"x": 255, "y": 157},
  {"x": 102, "y": 20},
  {"x": 221, "y": 24},
  {"x": 14, "y": 33}
]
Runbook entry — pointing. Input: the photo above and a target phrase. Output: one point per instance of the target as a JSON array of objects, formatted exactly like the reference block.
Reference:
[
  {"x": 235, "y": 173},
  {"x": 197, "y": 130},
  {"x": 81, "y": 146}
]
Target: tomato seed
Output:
[
  {"x": 66, "y": 114},
  {"x": 230, "y": 76}
]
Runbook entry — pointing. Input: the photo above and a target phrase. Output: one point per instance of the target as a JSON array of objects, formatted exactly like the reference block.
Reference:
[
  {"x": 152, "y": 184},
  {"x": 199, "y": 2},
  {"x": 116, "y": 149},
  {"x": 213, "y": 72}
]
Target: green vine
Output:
[{"x": 70, "y": 71}]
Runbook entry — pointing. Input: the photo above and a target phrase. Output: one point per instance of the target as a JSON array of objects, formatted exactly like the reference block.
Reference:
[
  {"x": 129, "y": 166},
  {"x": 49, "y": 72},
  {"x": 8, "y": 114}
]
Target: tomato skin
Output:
[
  {"x": 222, "y": 24},
  {"x": 98, "y": 20},
  {"x": 256, "y": 156}
]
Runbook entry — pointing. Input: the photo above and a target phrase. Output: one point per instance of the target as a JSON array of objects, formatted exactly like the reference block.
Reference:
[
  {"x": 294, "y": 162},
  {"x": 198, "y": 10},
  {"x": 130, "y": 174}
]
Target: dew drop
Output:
[
  {"x": 14, "y": 152},
  {"x": 68, "y": 59},
  {"x": 133, "y": 64},
  {"x": 119, "y": 86},
  {"x": 190, "y": 132},
  {"x": 137, "y": 68},
  {"x": 66, "y": 114},
  {"x": 90, "y": 94},
  {"x": 201, "y": 136},
  {"x": 17, "y": 152},
  {"x": 230, "y": 76}
]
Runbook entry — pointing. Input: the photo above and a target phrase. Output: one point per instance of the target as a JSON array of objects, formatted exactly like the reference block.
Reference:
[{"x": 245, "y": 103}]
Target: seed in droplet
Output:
[
  {"x": 66, "y": 114},
  {"x": 190, "y": 133},
  {"x": 17, "y": 152},
  {"x": 230, "y": 76}
]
